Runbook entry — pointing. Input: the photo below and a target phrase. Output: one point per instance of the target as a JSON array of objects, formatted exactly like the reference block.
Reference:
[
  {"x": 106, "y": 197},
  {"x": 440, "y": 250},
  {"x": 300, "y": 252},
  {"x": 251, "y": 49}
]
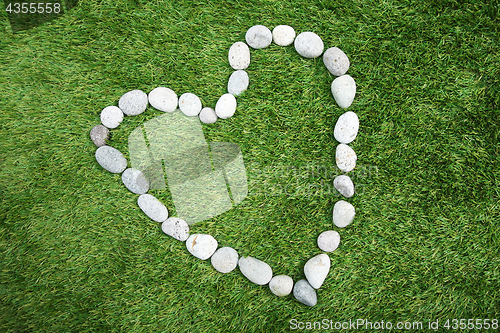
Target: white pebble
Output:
[
  {"x": 316, "y": 269},
  {"x": 255, "y": 270},
  {"x": 344, "y": 185},
  {"x": 238, "y": 82},
  {"x": 226, "y": 106},
  {"x": 111, "y": 159},
  {"x": 239, "y": 55},
  {"x": 304, "y": 293},
  {"x": 135, "y": 181},
  {"x": 133, "y": 102},
  {"x": 345, "y": 157},
  {"x": 201, "y": 246},
  {"x": 190, "y": 104},
  {"x": 329, "y": 240},
  {"x": 283, "y": 35},
  {"x": 152, "y": 207},
  {"x": 343, "y": 213},
  {"x": 281, "y": 285},
  {"x": 344, "y": 90},
  {"x": 225, "y": 259},
  {"x": 208, "y": 116},
  {"x": 176, "y": 228},
  {"x": 111, "y": 116},
  {"x": 309, "y": 45},
  {"x": 346, "y": 128},
  {"x": 258, "y": 37},
  {"x": 163, "y": 99},
  {"x": 336, "y": 61}
]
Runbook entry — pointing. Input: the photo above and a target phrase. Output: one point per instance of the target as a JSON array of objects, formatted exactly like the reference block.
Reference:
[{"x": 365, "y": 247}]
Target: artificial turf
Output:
[{"x": 78, "y": 255}]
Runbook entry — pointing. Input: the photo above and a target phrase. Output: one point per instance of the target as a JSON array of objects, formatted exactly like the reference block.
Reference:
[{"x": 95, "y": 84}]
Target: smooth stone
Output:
[
  {"x": 309, "y": 45},
  {"x": 239, "y": 55},
  {"x": 111, "y": 116},
  {"x": 152, "y": 207},
  {"x": 163, "y": 99},
  {"x": 281, "y": 285},
  {"x": 238, "y": 82},
  {"x": 344, "y": 90},
  {"x": 208, "y": 116},
  {"x": 99, "y": 134},
  {"x": 176, "y": 228},
  {"x": 316, "y": 269},
  {"x": 226, "y": 106},
  {"x": 344, "y": 185},
  {"x": 304, "y": 293},
  {"x": 201, "y": 246},
  {"x": 255, "y": 270},
  {"x": 258, "y": 37},
  {"x": 283, "y": 35},
  {"x": 133, "y": 102},
  {"x": 225, "y": 259},
  {"x": 190, "y": 104},
  {"x": 111, "y": 159},
  {"x": 343, "y": 213},
  {"x": 135, "y": 181},
  {"x": 345, "y": 157},
  {"x": 336, "y": 61},
  {"x": 346, "y": 128},
  {"x": 329, "y": 240}
]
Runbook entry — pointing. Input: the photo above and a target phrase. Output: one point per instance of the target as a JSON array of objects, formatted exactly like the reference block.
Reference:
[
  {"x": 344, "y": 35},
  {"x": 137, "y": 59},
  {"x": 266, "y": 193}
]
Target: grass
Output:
[{"x": 78, "y": 255}]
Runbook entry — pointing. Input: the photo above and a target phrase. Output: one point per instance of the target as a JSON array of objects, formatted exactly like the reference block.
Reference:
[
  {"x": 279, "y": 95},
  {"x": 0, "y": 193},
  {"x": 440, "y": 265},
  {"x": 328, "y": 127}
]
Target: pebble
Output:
[
  {"x": 239, "y": 55},
  {"x": 259, "y": 37},
  {"x": 346, "y": 128},
  {"x": 283, "y": 35},
  {"x": 110, "y": 159},
  {"x": 344, "y": 185},
  {"x": 226, "y": 106},
  {"x": 163, "y": 99},
  {"x": 281, "y": 285},
  {"x": 99, "y": 134},
  {"x": 225, "y": 259},
  {"x": 309, "y": 45},
  {"x": 345, "y": 157},
  {"x": 152, "y": 207},
  {"x": 135, "y": 181},
  {"x": 176, "y": 228},
  {"x": 343, "y": 90},
  {"x": 133, "y": 102},
  {"x": 111, "y": 116},
  {"x": 316, "y": 269},
  {"x": 255, "y": 270},
  {"x": 304, "y": 293},
  {"x": 329, "y": 240},
  {"x": 201, "y": 246},
  {"x": 208, "y": 116},
  {"x": 238, "y": 82},
  {"x": 336, "y": 61},
  {"x": 343, "y": 213},
  {"x": 190, "y": 104}
]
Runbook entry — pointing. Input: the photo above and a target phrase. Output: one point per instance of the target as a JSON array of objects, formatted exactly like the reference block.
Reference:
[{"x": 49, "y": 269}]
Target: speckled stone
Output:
[
  {"x": 176, "y": 228},
  {"x": 163, "y": 99},
  {"x": 281, "y": 285},
  {"x": 224, "y": 259},
  {"x": 345, "y": 157},
  {"x": 283, "y": 35},
  {"x": 111, "y": 116},
  {"x": 208, "y": 116},
  {"x": 336, "y": 61},
  {"x": 344, "y": 185},
  {"x": 304, "y": 293},
  {"x": 308, "y": 45},
  {"x": 99, "y": 135},
  {"x": 239, "y": 55},
  {"x": 329, "y": 240},
  {"x": 255, "y": 270},
  {"x": 190, "y": 104},
  {"x": 258, "y": 37},
  {"x": 226, "y": 106},
  {"x": 343, "y": 213},
  {"x": 152, "y": 207},
  {"x": 201, "y": 246},
  {"x": 316, "y": 269},
  {"x": 346, "y": 128},
  {"x": 135, "y": 181},
  {"x": 133, "y": 102},
  {"x": 110, "y": 159},
  {"x": 238, "y": 82},
  {"x": 344, "y": 90}
]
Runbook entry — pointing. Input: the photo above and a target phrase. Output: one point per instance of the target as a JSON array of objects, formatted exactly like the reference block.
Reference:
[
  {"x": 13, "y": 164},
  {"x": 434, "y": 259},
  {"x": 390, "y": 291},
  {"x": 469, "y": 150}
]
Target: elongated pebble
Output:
[
  {"x": 346, "y": 128},
  {"x": 316, "y": 270},
  {"x": 152, "y": 207},
  {"x": 110, "y": 159},
  {"x": 163, "y": 99},
  {"x": 343, "y": 90},
  {"x": 344, "y": 185},
  {"x": 190, "y": 104},
  {"x": 255, "y": 270},
  {"x": 238, "y": 82},
  {"x": 111, "y": 116},
  {"x": 304, "y": 293},
  {"x": 176, "y": 228},
  {"x": 343, "y": 213},
  {"x": 239, "y": 55},
  {"x": 99, "y": 135},
  {"x": 226, "y": 106},
  {"x": 308, "y": 45},
  {"x": 345, "y": 157},
  {"x": 135, "y": 181},
  {"x": 336, "y": 61}
]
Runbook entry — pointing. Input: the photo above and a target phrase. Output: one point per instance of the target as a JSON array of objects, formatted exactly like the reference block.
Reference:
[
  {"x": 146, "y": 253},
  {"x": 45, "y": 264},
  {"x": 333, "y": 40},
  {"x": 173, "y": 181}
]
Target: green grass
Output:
[{"x": 78, "y": 255}]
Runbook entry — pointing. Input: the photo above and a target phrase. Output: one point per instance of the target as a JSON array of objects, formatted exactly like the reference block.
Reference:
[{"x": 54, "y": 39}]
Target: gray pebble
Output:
[
  {"x": 239, "y": 55},
  {"x": 110, "y": 159},
  {"x": 152, "y": 207},
  {"x": 226, "y": 106},
  {"x": 345, "y": 157},
  {"x": 135, "y": 181},
  {"x": 329, "y": 240},
  {"x": 336, "y": 61},
  {"x": 201, "y": 246},
  {"x": 281, "y": 285},
  {"x": 344, "y": 90},
  {"x": 343, "y": 213},
  {"x": 208, "y": 116},
  {"x": 190, "y": 104},
  {"x": 111, "y": 116},
  {"x": 346, "y": 128},
  {"x": 163, "y": 99},
  {"x": 225, "y": 259},
  {"x": 304, "y": 293},
  {"x": 316, "y": 270},
  {"x": 308, "y": 45},
  {"x": 258, "y": 37},
  {"x": 344, "y": 185},
  {"x": 99, "y": 134},
  {"x": 133, "y": 102},
  {"x": 238, "y": 82},
  {"x": 255, "y": 270},
  {"x": 283, "y": 35},
  {"x": 176, "y": 228}
]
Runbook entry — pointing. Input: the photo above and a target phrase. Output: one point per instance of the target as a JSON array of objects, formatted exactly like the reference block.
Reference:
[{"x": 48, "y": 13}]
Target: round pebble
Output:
[
  {"x": 308, "y": 45},
  {"x": 99, "y": 134},
  {"x": 259, "y": 37},
  {"x": 239, "y": 55},
  {"x": 111, "y": 116},
  {"x": 201, "y": 246},
  {"x": 163, "y": 99},
  {"x": 336, "y": 61},
  {"x": 345, "y": 157},
  {"x": 329, "y": 240},
  {"x": 344, "y": 185},
  {"x": 208, "y": 116},
  {"x": 281, "y": 285},
  {"x": 133, "y": 102},
  {"x": 344, "y": 90},
  {"x": 226, "y": 106},
  {"x": 225, "y": 259},
  {"x": 255, "y": 270},
  {"x": 238, "y": 82},
  {"x": 152, "y": 207},
  {"x": 176, "y": 228},
  {"x": 283, "y": 35},
  {"x": 316, "y": 269},
  {"x": 135, "y": 181},
  {"x": 343, "y": 213},
  {"x": 190, "y": 104},
  {"x": 346, "y": 128},
  {"x": 110, "y": 159},
  {"x": 304, "y": 293}
]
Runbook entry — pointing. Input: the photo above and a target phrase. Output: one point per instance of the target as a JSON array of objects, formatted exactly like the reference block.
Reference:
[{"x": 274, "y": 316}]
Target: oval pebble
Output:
[
  {"x": 111, "y": 116},
  {"x": 201, "y": 246},
  {"x": 239, "y": 55},
  {"x": 176, "y": 228},
  {"x": 152, "y": 207},
  {"x": 329, "y": 240},
  {"x": 258, "y": 37},
  {"x": 336, "y": 61},
  {"x": 225, "y": 259},
  {"x": 226, "y": 106},
  {"x": 344, "y": 90},
  {"x": 343, "y": 213},
  {"x": 316, "y": 270},
  {"x": 309, "y": 45},
  {"x": 110, "y": 159},
  {"x": 99, "y": 134},
  {"x": 238, "y": 82},
  {"x": 344, "y": 185},
  {"x": 255, "y": 270},
  {"x": 190, "y": 104},
  {"x": 163, "y": 99},
  {"x": 135, "y": 181},
  {"x": 208, "y": 116},
  {"x": 345, "y": 157},
  {"x": 346, "y": 128},
  {"x": 304, "y": 293},
  {"x": 281, "y": 285},
  {"x": 283, "y": 35},
  {"x": 133, "y": 102}
]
